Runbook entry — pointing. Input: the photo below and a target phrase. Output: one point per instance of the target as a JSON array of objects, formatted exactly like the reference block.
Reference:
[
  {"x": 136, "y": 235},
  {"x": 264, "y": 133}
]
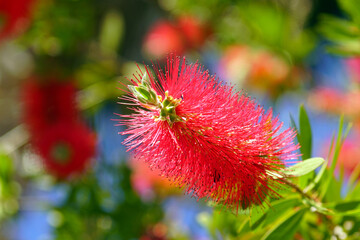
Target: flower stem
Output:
[
  {"x": 315, "y": 203},
  {"x": 298, "y": 189}
]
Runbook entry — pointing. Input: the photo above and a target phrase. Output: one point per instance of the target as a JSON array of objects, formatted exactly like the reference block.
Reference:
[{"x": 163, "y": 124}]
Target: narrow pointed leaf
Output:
[{"x": 304, "y": 136}]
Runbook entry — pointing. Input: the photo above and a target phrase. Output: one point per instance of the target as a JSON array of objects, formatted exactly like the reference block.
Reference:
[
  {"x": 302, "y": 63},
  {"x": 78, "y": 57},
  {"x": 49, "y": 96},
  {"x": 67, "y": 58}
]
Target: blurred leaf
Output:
[
  {"x": 300, "y": 45},
  {"x": 277, "y": 209},
  {"x": 350, "y": 208},
  {"x": 330, "y": 173},
  {"x": 6, "y": 167},
  {"x": 338, "y": 29},
  {"x": 330, "y": 178},
  {"x": 287, "y": 227},
  {"x": 355, "y": 175},
  {"x": 346, "y": 206},
  {"x": 244, "y": 227},
  {"x": 345, "y": 48},
  {"x": 333, "y": 193},
  {"x": 268, "y": 23},
  {"x": 344, "y": 33},
  {"x": 304, "y": 167},
  {"x": 355, "y": 212},
  {"x": 352, "y": 8},
  {"x": 354, "y": 192},
  {"x": 226, "y": 223},
  {"x": 112, "y": 31},
  {"x": 257, "y": 215}
]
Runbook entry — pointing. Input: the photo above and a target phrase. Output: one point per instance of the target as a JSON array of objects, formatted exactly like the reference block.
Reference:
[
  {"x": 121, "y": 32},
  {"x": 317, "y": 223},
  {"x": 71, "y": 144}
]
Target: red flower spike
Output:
[
  {"x": 216, "y": 143},
  {"x": 65, "y": 148}
]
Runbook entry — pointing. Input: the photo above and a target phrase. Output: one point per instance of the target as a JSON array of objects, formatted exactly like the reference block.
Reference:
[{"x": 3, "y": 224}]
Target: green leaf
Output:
[
  {"x": 287, "y": 227},
  {"x": 347, "y": 206},
  {"x": 304, "y": 136},
  {"x": 304, "y": 167},
  {"x": 355, "y": 212},
  {"x": 305, "y": 140},
  {"x": 293, "y": 124},
  {"x": 333, "y": 194}
]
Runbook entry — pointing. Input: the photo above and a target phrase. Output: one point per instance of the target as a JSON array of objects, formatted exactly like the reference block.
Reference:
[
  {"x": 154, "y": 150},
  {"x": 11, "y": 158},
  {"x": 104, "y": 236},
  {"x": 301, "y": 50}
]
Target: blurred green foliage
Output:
[
  {"x": 91, "y": 211},
  {"x": 9, "y": 188},
  {"x": 344, "y": 32}
]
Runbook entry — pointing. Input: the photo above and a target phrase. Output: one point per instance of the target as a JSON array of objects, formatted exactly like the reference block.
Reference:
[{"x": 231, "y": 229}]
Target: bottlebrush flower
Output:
[
  {"x": 66, "y": 148},
  {"x": 217, "y": 143},
  {"x": 14, "y": 16},
  {"x": 46, "y": 103}
]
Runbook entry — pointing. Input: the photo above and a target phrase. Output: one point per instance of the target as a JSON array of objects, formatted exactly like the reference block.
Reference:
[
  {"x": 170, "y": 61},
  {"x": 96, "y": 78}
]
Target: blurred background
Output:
[{"x": 64, "y": 173}]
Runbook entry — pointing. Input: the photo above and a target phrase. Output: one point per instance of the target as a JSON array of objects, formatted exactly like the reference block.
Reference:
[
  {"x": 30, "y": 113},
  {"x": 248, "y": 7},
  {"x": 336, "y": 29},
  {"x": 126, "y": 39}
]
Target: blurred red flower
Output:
[
  {"x": 166, "y": 37},
  {"x": 336, "y": 102},
  {"x": 235, "y": 64},
  {"x": 46, "y": 103},
  {"x": 147, "y": 182},
  {"x": 349, "y": 157},
  {"x": 201, "y": 134},
  {"x": 259, "y": 69},
  {"x": 64, "y": 143},
  {"x": 156, "y": 232},
  {"x": 66, "y": 148},
  {"x": 267, "y": 70},
  {"x": 194, "y": 31},
  {"x": 14, "y": 16},
  {"x": 163, "y": 37},
  {"x": 326, "y": 99},
  {"x": 353, "y": 65}
]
